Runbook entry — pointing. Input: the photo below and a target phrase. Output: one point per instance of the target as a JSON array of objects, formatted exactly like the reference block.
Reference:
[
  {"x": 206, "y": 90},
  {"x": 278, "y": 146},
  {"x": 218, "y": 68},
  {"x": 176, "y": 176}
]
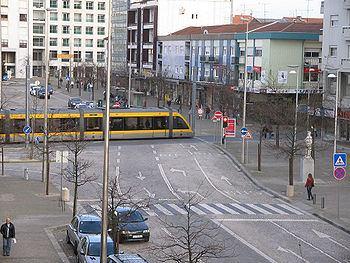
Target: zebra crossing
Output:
[{"x": 202, "y": 209}]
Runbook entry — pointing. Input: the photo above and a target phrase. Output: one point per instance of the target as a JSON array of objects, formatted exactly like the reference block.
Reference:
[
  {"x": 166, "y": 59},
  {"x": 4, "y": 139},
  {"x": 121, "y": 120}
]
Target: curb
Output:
[
  {"x": 331, "y": 223},
  {"x": 55, "y": 244}
]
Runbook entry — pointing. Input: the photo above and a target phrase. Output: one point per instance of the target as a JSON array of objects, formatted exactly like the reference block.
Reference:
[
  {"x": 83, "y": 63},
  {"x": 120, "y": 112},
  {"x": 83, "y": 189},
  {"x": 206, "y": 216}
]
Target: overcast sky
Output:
[{"x": 278, "y": 8}]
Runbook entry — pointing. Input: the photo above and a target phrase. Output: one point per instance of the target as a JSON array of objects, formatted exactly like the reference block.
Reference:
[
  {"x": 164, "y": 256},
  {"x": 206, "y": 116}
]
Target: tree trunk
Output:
[
  {"x": 277, "y": 136},
  {"x": 290, "y": 170},
  {"x": 75, "y": 196},
  {"x": 259, "y": 150}
]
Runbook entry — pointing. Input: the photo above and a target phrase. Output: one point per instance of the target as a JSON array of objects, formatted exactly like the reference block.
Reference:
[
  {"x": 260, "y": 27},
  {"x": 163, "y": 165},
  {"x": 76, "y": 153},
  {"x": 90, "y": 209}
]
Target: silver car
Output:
[
  {"x": 89, "y": 249},
  {"x": 80, "y": 226}
]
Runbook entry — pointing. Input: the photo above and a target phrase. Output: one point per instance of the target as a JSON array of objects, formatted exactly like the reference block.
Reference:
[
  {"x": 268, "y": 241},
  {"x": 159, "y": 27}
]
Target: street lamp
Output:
[
  {"x": 337, "y": 76},
  {"x": 247, "y": 20}
]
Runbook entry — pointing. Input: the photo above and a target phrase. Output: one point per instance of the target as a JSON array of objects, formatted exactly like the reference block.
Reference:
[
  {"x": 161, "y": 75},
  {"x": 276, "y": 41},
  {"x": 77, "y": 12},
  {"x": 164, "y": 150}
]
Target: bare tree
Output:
[
  {"x": 77, "y": 171},
  {"x": 190, "y": 240}
]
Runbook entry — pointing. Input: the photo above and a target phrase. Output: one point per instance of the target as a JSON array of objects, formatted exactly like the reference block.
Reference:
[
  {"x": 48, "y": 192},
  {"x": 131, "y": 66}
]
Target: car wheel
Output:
[
  {"x": 67, "y": 238},
  {"x": 147, "y": 239}
]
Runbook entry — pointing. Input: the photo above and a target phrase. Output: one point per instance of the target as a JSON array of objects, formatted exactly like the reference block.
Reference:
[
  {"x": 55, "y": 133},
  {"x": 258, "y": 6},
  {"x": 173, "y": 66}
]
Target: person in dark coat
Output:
[
  {"x": 8, "y": 234},
  {"x": 309, "y": 185}
]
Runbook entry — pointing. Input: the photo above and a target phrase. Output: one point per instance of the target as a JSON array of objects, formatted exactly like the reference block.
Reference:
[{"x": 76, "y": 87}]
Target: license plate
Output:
[{"x": 137, "y": 236}]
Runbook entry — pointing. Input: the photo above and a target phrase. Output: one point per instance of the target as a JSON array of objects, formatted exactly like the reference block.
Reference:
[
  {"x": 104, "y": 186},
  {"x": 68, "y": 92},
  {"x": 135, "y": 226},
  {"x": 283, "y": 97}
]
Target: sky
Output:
[{"x": 278, "y": 8}]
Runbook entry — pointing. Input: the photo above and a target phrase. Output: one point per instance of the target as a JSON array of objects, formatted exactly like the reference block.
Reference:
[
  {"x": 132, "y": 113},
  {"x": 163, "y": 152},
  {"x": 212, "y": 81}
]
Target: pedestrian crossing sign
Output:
[{"x": 339, "y": 160}]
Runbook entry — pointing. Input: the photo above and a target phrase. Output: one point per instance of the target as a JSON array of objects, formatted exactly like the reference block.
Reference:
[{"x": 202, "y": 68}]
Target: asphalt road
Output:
[{"x": 253, "y": 225}]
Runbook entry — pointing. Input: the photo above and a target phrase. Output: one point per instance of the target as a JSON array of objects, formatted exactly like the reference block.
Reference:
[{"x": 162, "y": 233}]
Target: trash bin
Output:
[
  {"x": 99, "y": 103},
  {"x": 65, "y": 194}
]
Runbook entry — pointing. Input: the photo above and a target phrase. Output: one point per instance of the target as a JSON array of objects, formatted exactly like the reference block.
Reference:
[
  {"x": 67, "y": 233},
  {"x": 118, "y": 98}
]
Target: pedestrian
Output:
[
  {"x": 309, "y": 184},
  {"x": 207, "y": 112},
  {"x": 8, "y": 233}
]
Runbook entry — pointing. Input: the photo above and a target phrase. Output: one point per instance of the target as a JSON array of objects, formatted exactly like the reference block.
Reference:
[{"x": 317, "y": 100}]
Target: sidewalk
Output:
[
  {"x": 35, "y": 216},
  {"x": 274, "y": 176}
]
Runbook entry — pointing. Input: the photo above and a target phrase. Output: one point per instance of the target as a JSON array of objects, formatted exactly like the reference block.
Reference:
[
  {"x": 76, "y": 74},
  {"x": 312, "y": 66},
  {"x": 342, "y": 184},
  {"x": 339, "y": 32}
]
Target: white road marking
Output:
[
  {"x": 279, "y": 211},
  {"x": 243, "y": 209},
  {"x": 152, "y": 146},
  {"x": 322, "y": 235},
  {"x": 117, "y": 175},
  {"x": 224, "y": 178},
  {"x": 194, "y": 147},
  {"x": 244, "y": 241},
  {"x": 118, "y": 160},
  {"x": 154, "y": 152},
  {"x": 291, "y": 209},
  {"x": 190, "y": 152},
  {"x": 167, "y": 182},
  {"x": 211, "y": 209},
  {"x": 150, "y": 195},
  {"x": 119, "y": 147},
  {"x": 266, "y": 220},
  {"x": 238, "y": 192},
  {"x": 89, "y": 200},
  {"x": 227, "y": 209},
  {"x": 97, "y": 209},
  {"x": 157, "y": 158},
  {"x": 304, "y": 241},
  {"x": 178, "y": 209},
  {"x": 163, "y": 209},
  {"x": 118, "y": 153},
  {"x": 257, "y": 208},
  {"x": 149, "y": 212},
  {"x": 197, "y": 210},
  {"x": 141, "y": 177},
  {"x": 210, "y": 182},
  {"x": 191, "y": 192},
  {"x": 179, "y": 171},
  {"x": 293, "y": 253},
  {"x": 182, "y": 145}
]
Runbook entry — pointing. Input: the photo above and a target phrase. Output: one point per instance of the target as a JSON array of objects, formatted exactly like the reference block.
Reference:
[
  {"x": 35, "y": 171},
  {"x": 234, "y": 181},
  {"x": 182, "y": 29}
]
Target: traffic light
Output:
[{"x": 224, "y": 122}]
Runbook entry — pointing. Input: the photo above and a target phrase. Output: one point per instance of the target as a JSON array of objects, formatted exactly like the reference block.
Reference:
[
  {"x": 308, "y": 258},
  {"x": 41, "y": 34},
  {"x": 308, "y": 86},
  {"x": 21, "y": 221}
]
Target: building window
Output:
[
  {"x": 89, "y": 56},
  {"x": 77, "y": 56},
  {"x": 53, "y": 55},
  {"x": 38, "y": 29},
  {"x": 89, "y": 30},
  {"x": 65, "y": 29},
  {"x": 258, "y": 52},
  {"x": 77, "y": 30},
  {"x": 53, "y": 29},
  {"x": 65, "y": 17},
  {"x": 65, "y": 42},
  {"x": 77, "y": 4},
  {"x": 101, "y": 6},
  {"x": 89, "y": 43},
  {"x": 38, "y": 41},
  {"x": 37, "y": 55},
  {"x": 23, "y": 43},
  {"x": 4, "y": 17},
  {"x": 23, "y": 17},
  {"x": 65, "y": 3},
  {"x": 5, "y": 43},
  {"x": 77, "y": 17},
  {"x": 311, "y": 54},
  {"x": 100, "y": 56},
  {"x": 89, "y": 5},
  {"x": 334, "y": 20},
  {"x": 53, "y": 42},
  {"x": 53, "y": 16},
  {"x": 65, "y": 59},
  {"x": 241, "y": 52},
  {"x": 100, "y": 30},
  {"x": 89, "y": 18},
  {"x": 100, "y": 43},
  {"x": 224, "y": 51},
  {"x": 53, "y": 3},
  {"x": 77, "y": 42},
  {"x": 333, "y": 51},
  {"x": 216, "y": 51},
  {"x": 101, "y": 18},
  {"x": 39, "y": 3}
]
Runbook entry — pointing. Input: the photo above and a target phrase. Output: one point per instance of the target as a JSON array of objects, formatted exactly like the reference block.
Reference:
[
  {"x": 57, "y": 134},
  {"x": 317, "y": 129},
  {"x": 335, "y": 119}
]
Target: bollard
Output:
[
  {"x": 322, "y": 202},
  {"x": 314, "y": 199},
  {"x": 26, "y": 174}
]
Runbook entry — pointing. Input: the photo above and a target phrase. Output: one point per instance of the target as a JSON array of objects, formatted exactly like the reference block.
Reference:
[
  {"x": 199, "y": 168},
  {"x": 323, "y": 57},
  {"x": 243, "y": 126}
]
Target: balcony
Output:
[
  {"x": 160, "y": 56},
  {"x": 346, "y": 32},
  {"x": 345, "y": 62},
  {"x": 347, "y": 4}
]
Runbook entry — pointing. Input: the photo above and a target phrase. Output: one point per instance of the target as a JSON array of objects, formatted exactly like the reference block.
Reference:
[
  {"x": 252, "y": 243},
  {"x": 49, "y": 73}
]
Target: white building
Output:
[
  {"x": 14, "y": 27},
  {"x": 76, "y": 28}
]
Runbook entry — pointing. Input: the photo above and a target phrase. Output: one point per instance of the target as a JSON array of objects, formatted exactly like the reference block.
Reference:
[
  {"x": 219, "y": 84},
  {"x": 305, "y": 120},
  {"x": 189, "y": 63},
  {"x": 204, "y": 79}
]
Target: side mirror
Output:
[{"x": 145, "y": 219}]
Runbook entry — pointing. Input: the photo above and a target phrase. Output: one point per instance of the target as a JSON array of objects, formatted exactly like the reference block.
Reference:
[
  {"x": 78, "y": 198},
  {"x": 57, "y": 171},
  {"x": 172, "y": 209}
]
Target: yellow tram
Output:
[{"x": 87, "y": 124}]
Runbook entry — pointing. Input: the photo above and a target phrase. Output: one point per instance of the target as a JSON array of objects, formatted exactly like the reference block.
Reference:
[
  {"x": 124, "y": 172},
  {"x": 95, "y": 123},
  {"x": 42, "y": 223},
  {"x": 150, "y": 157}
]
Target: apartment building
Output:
[
  {"x": 77, "y": 31},
  {"x": 14, "y": 37},
  {"x": 336, "y": 58}
]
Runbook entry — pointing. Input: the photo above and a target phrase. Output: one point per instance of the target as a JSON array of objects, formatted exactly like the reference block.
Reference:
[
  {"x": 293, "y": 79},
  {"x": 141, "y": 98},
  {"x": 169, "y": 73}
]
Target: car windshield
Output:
[
  {"x": 75, "y": 100},
  {"x": 94, "y": 249},
  {"x": 130, "y": 216},
  {"x": 90, "y": 227}
]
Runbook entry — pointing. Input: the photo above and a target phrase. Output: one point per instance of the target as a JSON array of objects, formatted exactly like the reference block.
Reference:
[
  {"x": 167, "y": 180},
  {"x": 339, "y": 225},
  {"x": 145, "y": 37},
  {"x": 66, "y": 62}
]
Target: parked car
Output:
[
  {"x": 41, "y": 93},
  {"x": 90, "y": 104},
  {"x": 126, "y": 258},
  {"x": 132, "y": 225},
  {"x": 80, "y": 226},
  {"x": 50, "y": 89},
  {"x": 89, "y": 249},
  {"x": 72, "y": 102},
  {"x": 81, "y": 106},
  {"x": 33, "y": 89}
]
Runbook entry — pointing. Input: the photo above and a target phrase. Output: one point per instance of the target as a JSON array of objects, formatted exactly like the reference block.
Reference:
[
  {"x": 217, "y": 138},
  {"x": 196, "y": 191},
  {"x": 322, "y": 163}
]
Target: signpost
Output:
[
  {"x": 230, "y": 130},
  {"x": 339, "y": 172},
  {"x": 27, "y": 130},
  {"x": 244, "y": 131},
  {"x": 218, "y": 114},
  {"x": 200, "y": 113}
]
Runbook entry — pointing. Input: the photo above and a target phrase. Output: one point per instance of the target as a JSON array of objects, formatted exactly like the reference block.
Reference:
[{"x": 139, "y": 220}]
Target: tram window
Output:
[
  {"x": 18, "y": 125},
  {"x": 54, "y": 125},
  {"x": 38, "y": 125},
  {"x": 2, "y": 124},
  {"x": 116, "y": 124},
  {"x": 93, "y": 124},
  {"x": 70, "y": 125},
  {"x": 144, "y": 123},
  {"x": 131, "y": 124},
  {"x": 179, "y": 123},
  {"x": 160, "y": 123}
]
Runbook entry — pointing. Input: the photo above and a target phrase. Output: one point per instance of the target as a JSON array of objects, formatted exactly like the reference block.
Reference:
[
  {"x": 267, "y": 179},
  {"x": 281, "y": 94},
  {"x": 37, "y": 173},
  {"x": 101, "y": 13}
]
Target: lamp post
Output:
[
  {"x": 106, "y": 144},
  {"x": 247, "y": 20},
  {"x": 130, "y": 61},
  {"x": 337, "y": 76}
]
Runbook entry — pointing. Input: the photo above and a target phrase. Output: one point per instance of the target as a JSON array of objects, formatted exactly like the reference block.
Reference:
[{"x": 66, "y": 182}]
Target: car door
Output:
[
  {"x": 82, "y": 250},
  {"x": 70, "y": 230}
]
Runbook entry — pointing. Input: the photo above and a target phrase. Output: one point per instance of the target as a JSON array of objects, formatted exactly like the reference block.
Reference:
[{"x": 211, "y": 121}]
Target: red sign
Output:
[
  {"x": 218, "y": 114},
  {"x": 230, "y": 130},
  {"x": 339, "y": 173}
]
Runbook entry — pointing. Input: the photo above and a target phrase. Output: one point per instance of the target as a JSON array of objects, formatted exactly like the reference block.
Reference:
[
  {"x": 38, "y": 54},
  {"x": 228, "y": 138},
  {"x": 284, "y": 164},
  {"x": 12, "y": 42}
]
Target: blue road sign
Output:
[
  {"x": 244, "y": 131},
  {"x": 27, "y": 129},
  {"x": 339, "y": 160},
  {"x": 68, "y": 77}
]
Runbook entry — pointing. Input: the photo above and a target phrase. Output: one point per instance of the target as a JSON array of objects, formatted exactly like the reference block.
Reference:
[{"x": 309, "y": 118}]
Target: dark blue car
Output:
[{"x": 132, "y": 225}]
